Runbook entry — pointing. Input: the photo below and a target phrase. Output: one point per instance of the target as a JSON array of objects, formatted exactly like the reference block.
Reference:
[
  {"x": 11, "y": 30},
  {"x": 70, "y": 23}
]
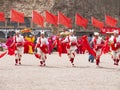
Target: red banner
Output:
[{"x": 105, "y": 30}]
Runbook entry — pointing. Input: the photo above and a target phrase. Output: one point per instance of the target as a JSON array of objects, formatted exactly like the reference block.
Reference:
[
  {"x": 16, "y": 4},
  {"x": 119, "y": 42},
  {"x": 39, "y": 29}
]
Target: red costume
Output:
[
  {"x": 50, "y": 46},
  {"x": 71, "y": 41},
  {"x": 42, "y": 49},
  {"x": 115, "y": 47},
  {"x": 98, "y": 44},
  {"x": 57, "y": 43},
  {"x": 11, "y": 46}
]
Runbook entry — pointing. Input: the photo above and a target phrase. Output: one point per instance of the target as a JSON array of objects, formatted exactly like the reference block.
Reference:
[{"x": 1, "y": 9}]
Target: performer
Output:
[
  {"x": 106, "y": 46},
  {"x": 50, "y": 46},
  {"x": 115, "y": 46},
  {"x": 79, "y": 46},
  {"x": 10, "y": 45},
  {"x": 57, "y": 43},
  {"x": 71, "y": 46},
  {"x": 42, "y": 48},
  {"x": 97, "y": 44},
  {"x": 19, "y": 46},
  {"x": 29, "y": 44}
]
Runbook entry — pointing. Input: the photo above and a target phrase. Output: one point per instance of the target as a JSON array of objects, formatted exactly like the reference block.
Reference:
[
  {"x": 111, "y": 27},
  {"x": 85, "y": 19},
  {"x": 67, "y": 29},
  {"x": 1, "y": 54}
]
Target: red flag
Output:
[
  {"x": 37, "y": 55},
  {"x": 2, "y": 17},
  {"x": 97, "y": 23},
  {"x": 86, "y": 45},
  {"x": 50, "y": 18},
  {"x": 3, "y": 54},
  {"x": 62, "y": 19},
  {"x": 38, "y": 19},
  {"x": 110, "y": 21},
  {"x": 17, "y": 16},
  {"x": 81, "y": 21}
]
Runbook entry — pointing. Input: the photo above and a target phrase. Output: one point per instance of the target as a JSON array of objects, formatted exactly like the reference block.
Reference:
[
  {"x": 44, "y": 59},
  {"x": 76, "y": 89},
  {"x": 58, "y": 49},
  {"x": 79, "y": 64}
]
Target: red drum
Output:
[
  {"x": 68, "y": 46},
  {"x": 98, "y": 46},
  {"x": 38, "y": 45},
  {"x": 113, "y": 46},
  {"x": 73, "y": 44},
  {"x": 44, "y": 48},
  {"x": 19, "y": 44},
  {"x": 118, "y": 45}
]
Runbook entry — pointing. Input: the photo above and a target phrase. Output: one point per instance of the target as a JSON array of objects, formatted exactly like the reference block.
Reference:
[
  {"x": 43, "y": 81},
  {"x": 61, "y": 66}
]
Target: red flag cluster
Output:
[{"x": 37, "y": 18}]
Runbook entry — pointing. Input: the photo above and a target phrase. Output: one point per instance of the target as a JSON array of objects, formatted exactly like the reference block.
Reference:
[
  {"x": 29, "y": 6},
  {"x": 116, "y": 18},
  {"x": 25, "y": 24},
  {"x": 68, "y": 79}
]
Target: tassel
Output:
[{"x": 97, "y": 62}]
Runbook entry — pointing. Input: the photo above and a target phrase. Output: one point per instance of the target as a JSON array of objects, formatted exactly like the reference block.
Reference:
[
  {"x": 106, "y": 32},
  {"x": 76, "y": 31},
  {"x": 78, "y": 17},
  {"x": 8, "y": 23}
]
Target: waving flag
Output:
[
  {"x": 81, "y": 21},
  {"x": 38, "y": 19},
  {"x": 110, "y": 21},
  {"x": 3, "y": 54},
  {"x": 17, "y": 16},
  {"x": 50, "y": 18},
  {"x": 87, "y": 46},
  {"x": 62, "y": 19},
  {"x": 97, "y": 23},
  {"x": 2, "y": 17}
]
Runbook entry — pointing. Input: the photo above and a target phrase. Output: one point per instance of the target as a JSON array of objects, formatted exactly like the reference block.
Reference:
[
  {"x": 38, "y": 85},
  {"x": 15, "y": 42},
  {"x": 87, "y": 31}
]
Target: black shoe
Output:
[
  {"x": 116, "y": 64},
  {"x": 44, "y": 64},
  {"x": 16, "y": 64},
  {"x": 89, "y": 60},
  {"x": 72, "y": 64},
  {"x": 19, "y": 63},
  {"x": 92, "y": 61}
]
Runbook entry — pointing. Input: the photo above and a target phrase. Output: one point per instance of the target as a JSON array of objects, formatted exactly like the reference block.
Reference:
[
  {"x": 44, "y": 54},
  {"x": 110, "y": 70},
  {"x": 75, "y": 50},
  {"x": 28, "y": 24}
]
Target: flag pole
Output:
[
  {"x": 18, "y": 24},
  {"x": 6, "y": 28},
  {"x": 75, "y": 21},
  {"x": 43, "y": 23},
  {"x": 105, "y": 21},
  {"x": 74, "y": 14},
  {"x": 5, "y": 23},
  {"x": 58, "y": 24},
  {"x": 33, "y": 6},
  {"x": 32, "y": 21},
  {"x": 31, "y": 24}
]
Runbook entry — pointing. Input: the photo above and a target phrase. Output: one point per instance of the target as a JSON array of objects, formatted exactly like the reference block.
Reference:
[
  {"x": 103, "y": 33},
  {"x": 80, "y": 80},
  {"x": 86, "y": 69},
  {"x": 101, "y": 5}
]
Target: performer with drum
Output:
[
  {"x": 115, "y": 46},
  {"x": 42, "y": 48}
]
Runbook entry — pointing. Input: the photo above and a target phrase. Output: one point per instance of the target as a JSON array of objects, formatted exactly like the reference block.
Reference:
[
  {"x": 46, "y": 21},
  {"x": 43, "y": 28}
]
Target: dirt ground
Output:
[{"x": 59, "y": 74}]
